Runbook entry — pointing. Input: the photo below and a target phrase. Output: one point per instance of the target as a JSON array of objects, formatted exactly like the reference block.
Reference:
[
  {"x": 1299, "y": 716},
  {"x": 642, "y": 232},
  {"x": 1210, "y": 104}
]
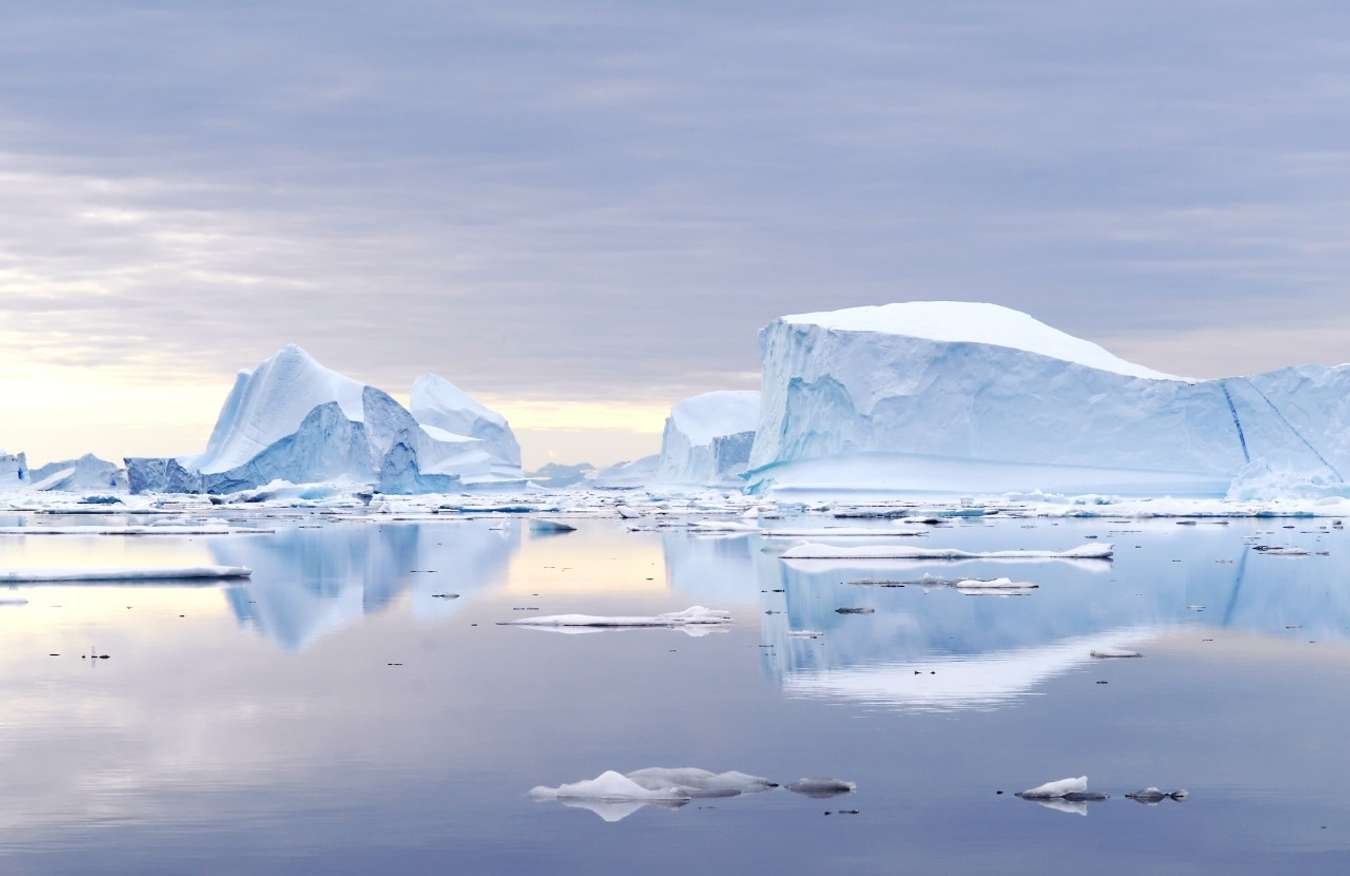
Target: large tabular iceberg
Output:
[
  {"x": 707, "y": 438},
  {"x": 292, "y": 419},
  {"x": 968, "y": 397}
]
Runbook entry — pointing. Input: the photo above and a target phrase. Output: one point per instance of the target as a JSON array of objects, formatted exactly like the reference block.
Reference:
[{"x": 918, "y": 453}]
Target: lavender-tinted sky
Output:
[{"x": 582, "y": 212}]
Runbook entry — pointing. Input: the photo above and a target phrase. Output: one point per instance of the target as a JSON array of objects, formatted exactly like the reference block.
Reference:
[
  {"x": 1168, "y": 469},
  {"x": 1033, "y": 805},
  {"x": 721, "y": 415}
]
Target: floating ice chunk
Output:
[
  {"x": 625, "y": 512},
  {"x": 695, "y": 615},
  {"x": 842, "y": 532},
  {"x": 13, "y": 601},
  {"x": 822, "y": 787},
  {"x": 995, "y": 584},
  {"x": 721, "y": 526},
  {"x": 609, "y": 786},
  {"x": 550, "y": 527},
  {"x": 699, "y": 782},
  {"x": 161, "y": 573},
  {"x": 814, "y": 551},
  {"x": 1055, "y": 790},
  {"x": 1108, "y": 653},
  {"x": 1147, "y": 795},
  {"x": 615, "y": 796},
  {"x": 1280, "y": 550},
  {"x": 176, "y": 529}
]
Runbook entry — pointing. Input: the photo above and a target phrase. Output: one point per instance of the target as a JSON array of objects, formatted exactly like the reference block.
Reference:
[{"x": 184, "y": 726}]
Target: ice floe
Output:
[
  {"x": 816, "y": 551},
  {"x": 152, "y": 573},
  {"x": 695, "y": 616}
]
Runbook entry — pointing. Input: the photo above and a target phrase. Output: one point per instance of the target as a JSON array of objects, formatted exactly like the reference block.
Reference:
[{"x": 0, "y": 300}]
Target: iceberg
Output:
[
  {"x": 75, "y": 475},
  {"x": 967, "y": 397},
  {"x": 488, "y": 448},
  {"x": 291, "y": 419},
  {"x": 707, "y": 438},
  {"x": 625, "y": 475}
]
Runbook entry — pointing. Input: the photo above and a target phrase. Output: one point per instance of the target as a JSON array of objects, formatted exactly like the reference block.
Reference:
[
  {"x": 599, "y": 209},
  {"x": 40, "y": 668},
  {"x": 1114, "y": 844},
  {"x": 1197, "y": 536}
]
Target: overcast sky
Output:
[{"x": 582, "y": 212}]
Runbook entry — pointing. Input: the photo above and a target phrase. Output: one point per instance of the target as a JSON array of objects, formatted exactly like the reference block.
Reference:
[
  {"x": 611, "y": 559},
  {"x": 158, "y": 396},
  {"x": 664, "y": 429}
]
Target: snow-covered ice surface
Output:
[
  {"x": 707, "y": 438},
  {"x": 368, "y": 632}
]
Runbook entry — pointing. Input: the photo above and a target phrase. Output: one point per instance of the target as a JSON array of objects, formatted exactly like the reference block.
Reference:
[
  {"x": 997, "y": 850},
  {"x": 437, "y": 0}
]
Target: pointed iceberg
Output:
[{"x": 292, "y": 419}]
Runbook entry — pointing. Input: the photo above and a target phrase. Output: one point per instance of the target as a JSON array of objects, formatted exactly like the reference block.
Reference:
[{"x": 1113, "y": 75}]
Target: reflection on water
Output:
[
  {"x": 376, "y": 725},
  {"x": 308, "y": 582}
]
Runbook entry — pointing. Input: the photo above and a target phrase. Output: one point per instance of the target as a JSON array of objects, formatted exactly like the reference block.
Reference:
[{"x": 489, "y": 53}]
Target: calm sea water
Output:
[{"x": 261, "y": 728}]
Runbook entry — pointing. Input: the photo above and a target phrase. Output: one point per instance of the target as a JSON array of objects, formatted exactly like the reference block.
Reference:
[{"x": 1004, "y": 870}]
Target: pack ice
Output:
[
  {"x": 292, "y": 419},
  {"x": 970, "y": 397},
  {"x": 707, "y": 438}
]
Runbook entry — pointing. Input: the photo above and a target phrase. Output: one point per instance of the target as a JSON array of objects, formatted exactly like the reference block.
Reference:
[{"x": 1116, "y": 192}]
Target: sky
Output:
[{"x": 583, "y": 212}]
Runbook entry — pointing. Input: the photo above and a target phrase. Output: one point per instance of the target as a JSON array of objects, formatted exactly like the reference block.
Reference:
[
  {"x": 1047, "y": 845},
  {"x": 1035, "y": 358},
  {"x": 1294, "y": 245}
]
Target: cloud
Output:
[{"x": 590, "y": 201}]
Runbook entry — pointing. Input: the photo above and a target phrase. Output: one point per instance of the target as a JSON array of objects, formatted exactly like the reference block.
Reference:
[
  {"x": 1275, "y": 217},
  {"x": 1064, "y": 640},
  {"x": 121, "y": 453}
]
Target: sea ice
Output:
[
  {"x": 159, "y": 573},
  {"x": 815, "y": 551},
  {"x": 1056, "y": 789}
]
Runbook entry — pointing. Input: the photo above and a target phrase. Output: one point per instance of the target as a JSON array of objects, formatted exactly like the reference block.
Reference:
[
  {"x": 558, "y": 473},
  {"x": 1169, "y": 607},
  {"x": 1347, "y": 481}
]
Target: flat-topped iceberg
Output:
[
  {"x": 707, "y": 438},
  {"x": 968, "y": 397},
  {"x": 291, "y": 419}
]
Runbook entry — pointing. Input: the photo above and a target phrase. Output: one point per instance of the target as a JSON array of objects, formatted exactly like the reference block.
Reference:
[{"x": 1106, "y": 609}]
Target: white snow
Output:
[
  {"x": 815, "y": 551},
  {"x": 969, "y": 322},
  {"x": 1057, "y": 789},
  {"x": 152, "y": 573}
]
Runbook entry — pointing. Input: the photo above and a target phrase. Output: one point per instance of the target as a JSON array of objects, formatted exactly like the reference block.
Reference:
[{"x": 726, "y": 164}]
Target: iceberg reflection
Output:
[{"x": 309, "y": 582}]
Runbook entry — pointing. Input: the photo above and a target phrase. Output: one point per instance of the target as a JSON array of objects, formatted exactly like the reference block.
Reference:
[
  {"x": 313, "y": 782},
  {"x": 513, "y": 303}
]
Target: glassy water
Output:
[{"x": 342, "y": 713}]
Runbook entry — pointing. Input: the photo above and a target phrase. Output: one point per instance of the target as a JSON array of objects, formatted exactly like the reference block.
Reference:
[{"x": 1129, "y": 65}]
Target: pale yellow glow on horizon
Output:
[{"x": 55, "y": 411}]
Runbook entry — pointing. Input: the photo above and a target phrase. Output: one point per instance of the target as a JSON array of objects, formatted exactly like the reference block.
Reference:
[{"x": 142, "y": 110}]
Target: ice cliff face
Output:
[
  {"x": 936, "y": 395},
  {"x": 707, "y": 438},
  {"x": 292, "y": 419},
  {"x": 13, "y": 471}
]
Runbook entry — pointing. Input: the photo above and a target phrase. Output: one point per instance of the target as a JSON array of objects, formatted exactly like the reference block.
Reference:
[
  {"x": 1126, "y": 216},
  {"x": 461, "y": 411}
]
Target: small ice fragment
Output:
[
  {"x": 695, "y": 615},
  {"x": 1109, "y": 653},
  {"x": 1148, "y": 795},
  {"x": 152, "y": 573},
  {"x": 1055, "y": 790},
  {"x": 550, "y": 527}
]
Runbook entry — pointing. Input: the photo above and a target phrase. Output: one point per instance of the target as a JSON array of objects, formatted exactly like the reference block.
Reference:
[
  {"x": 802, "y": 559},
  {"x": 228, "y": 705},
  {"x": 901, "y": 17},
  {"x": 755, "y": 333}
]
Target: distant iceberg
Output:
[
  {"x": 637, "y": 473},
  {"x": 79, "y": 475},
  {"x": 707, "y": 438},
  {"x": 13, "y": 471},
  {"x": 967, "y": 397},
  {"x": 291, "y": 419}
]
